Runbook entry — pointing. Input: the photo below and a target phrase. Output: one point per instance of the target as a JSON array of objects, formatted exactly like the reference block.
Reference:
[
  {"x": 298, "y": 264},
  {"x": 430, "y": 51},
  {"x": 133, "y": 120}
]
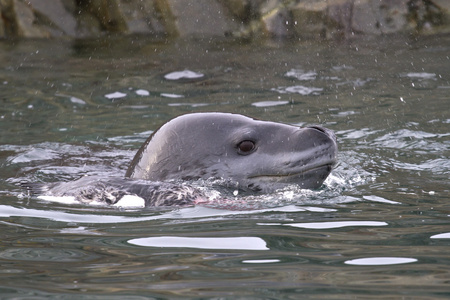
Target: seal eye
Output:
[{"x": 246, "y": 147}]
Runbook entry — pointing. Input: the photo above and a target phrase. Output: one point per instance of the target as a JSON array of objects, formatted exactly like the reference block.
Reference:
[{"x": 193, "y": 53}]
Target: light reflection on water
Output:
[
  {"x": 225, "y": 243},
  {"x": 379, "y": 226}
]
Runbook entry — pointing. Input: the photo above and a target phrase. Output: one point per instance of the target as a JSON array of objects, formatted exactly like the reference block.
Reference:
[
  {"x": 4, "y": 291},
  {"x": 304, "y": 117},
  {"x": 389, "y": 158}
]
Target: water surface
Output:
[{"x": 379, "y": 228}]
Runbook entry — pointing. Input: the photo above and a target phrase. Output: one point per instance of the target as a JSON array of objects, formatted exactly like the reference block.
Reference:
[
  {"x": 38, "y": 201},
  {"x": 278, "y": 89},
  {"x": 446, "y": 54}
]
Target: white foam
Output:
[
  {"x": 59, "y": 199},
  {"x": 130, "y": 201},
  {"x": 127, "y": 201}
]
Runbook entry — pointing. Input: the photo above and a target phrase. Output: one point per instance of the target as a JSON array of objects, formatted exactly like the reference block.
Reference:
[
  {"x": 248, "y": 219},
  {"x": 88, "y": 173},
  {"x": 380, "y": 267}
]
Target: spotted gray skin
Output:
[
  {"x": 110, "y": 190},
  {"x": 255, "y": 155}
]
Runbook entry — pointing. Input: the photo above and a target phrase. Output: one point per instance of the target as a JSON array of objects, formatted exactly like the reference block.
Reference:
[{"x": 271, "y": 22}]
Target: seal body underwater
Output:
[{"x": 249, "y": 154}]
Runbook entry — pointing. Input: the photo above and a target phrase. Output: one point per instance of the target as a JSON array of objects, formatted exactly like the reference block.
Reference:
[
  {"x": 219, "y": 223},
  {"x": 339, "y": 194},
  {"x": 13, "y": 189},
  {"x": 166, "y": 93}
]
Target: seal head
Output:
[{"x": 253, "y": 154}]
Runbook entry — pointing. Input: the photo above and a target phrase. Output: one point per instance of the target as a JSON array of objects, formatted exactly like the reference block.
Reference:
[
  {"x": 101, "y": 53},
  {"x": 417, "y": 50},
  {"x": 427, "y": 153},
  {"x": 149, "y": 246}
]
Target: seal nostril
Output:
[
  {"x": 326, "y": 131},
  {"x": 319, "y": 128}
]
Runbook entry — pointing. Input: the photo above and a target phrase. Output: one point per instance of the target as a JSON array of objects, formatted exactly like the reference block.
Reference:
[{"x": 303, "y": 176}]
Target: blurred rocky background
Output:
[{"x": 301, "y": 19}]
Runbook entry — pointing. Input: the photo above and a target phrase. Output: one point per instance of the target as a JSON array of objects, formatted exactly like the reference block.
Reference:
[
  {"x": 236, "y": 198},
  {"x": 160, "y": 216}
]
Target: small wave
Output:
[
  {"x": 419, "y": 75},
  {"x": 436, "y": 166},
  {"x": 269, "y": 103},
  {"x": 170, "y": 95},
  {"x": 186, "y": 74},
  {"x": 142, "y": 92},
  {"x": 301, "y": 75},
  {"x": 41, "y": 152},
  {"x": 115, "y": 95},
  {"x": 298, "y": 89},
  {"x": 411, "y": 140}
]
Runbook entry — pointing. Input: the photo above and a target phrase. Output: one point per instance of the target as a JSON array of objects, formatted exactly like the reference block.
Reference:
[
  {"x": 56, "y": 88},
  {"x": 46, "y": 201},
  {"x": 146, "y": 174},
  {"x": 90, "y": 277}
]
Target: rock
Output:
[
  {"x": 25, "y": 23},
  {"x": 200, "y": 18},
  {"x": 7, "y": 19},
  {"x": 210, "y": 18},
  {"x": 379, "y": 17},
  {"x": 120, "y": 16},
  {"x": 347, "y": 18},
  {"x": 33, "y": 19},
  {"x": 276, "y": 18},
  {"x": 246, "y": 10},
  {"x": 429, "y": 16},
  {"x": 310, "y": 19},
  {"x": 141, "y": 17},
  {"x": 100, "y": 16},
  {"x": 60, "y": 21}
]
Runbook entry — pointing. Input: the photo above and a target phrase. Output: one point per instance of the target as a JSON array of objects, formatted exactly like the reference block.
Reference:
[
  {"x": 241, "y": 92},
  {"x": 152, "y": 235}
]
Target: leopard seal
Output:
[
  {"x": 256, "y": 155},
  {"x": 246, "y": 153}
]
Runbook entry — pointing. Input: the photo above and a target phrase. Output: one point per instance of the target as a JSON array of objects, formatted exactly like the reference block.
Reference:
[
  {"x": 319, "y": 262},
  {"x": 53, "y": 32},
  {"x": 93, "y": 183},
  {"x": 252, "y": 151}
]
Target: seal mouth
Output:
[
  {"x": 327, "y": 167},
  {"x": 307, "y": 178}
]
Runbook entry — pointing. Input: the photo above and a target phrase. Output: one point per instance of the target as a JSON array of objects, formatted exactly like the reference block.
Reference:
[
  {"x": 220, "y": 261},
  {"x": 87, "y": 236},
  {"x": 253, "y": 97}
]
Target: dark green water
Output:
[{"x": 378, "y": 229}]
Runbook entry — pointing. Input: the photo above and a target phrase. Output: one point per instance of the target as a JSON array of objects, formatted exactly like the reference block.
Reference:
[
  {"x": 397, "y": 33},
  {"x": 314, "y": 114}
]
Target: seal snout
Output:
[{"x": 324, "y": 130}]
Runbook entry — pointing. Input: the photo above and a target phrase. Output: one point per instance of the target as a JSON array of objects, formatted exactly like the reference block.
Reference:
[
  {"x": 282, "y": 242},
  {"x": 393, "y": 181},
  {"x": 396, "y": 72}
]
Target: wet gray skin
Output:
[
  {"x": 243, "y": 153},
  {"x": 253, "y": 154}
]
